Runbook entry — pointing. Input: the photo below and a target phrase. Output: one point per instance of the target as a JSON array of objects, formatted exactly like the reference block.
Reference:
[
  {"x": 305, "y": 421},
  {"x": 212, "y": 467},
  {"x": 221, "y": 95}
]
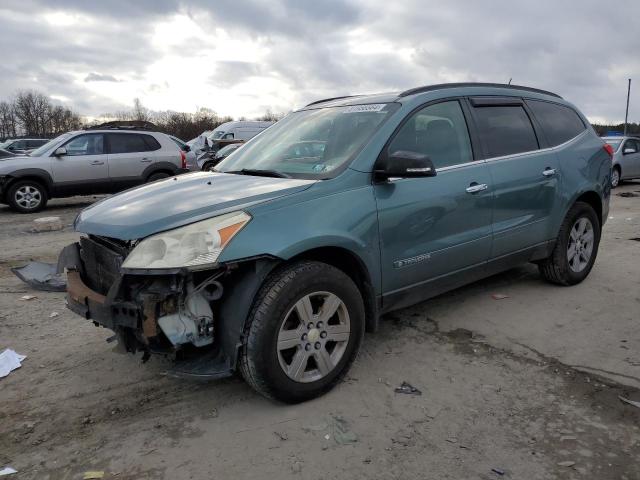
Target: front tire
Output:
[
  {"x": 27, "y": 196},
  {"x": 303, "y": 333},
  {"x": 576, "y": 247}
]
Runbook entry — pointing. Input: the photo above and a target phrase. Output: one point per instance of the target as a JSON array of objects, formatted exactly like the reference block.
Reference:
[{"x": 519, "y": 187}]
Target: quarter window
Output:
[
  {"x": 505, "y": 130},
  {"x": 132, "y": 143},
  {"x": 438, "y": 131},
  {"x": 91, "y": 144},
  {"x": 632, "y": 144},
  {"x": 559, "y": 123}
]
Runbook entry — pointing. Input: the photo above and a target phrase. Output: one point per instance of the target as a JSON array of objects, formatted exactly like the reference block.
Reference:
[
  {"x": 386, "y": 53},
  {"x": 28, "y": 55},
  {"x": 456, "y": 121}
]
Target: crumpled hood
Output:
[{"x": 177, "y": 201}]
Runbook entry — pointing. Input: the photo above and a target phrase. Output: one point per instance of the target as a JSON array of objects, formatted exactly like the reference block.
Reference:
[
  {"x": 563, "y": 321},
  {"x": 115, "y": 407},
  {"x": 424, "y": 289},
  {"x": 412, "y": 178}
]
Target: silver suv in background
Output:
[
  {"x": 86, "y": 162},
  {"x": 626, "y": 158}
]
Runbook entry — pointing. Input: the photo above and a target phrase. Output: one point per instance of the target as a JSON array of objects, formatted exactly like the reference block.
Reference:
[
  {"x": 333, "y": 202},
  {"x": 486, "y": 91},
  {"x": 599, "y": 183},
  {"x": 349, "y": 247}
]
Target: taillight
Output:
[
  {"x": 609, "y": 149},
  {"x": 183, "y": 159}
]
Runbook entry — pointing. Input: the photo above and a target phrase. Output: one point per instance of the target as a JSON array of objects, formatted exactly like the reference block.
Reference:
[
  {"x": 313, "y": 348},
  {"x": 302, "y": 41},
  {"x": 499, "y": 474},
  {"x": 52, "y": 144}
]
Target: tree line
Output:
[{"x": 33, "y": 114}]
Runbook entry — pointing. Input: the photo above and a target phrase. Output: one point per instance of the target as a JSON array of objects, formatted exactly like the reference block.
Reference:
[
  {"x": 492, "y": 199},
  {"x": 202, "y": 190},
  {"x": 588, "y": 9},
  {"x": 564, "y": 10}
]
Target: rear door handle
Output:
[
  {"x": 97, "y": 162},
  {"x": 477, "y": 187},
  {"x": 145, "y": 160},
  {"x": 549, "y": 172}
]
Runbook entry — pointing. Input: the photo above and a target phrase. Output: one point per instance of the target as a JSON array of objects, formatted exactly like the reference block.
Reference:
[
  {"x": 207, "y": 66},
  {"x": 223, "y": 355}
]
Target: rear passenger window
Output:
[
  {"x": 439, "y": 131},
  {"x": 132, "y": 143},
  {"x": 558, "y": 122},
  {"x": 505, "y": 130}
]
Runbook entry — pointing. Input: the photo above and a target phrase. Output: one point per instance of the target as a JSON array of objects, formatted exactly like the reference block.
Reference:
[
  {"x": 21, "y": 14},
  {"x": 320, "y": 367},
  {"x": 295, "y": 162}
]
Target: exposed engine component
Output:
[{"x": 193, "y": 322}]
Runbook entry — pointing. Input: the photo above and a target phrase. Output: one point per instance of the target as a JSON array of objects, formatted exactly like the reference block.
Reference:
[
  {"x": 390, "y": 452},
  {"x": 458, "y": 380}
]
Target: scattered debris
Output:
[
  {"x": 9, "y": 361},
  {"x": 627, "y": 194},
  {"x": 53, "y": 314},
  {"x": 566, "y": 438},
  {"x": 408, "y": 389},
  {"x": 327, "y": 436},
  {"x": 499, "y": 296},
  {"x": 341, "y": 433},
  {"x": 42, "y": 276},
  {"x": 27, "y": 297},
  {"x": 281, "y": 435},
  {"x": 7, "y": 471},
  {"x": 630, "y": 402},
  {"x": 498, "y": 471},
  {"x": 637, "y": 239},
  {"x": 567, "y": 463},
  {"x": 93, "y": 475},
  {"x": 47, "y": 224},
  {"x": 452, "y": 440}
]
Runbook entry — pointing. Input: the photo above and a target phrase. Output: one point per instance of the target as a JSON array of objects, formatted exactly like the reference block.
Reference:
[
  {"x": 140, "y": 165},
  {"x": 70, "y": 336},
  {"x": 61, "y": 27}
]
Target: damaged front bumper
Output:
[{"x": 170, "y": 313}]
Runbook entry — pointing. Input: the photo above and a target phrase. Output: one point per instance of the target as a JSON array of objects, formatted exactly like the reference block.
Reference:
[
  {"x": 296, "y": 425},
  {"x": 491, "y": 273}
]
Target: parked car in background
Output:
[
  {"x": 235, "y": 132},
  {"x": 88, "y": 161},
  {"x": 275, "y": 264},
  {"x": 208, "y": 162},
  {"x": 6, "y": 153},
  {"x": 23, "y": 145},
  {"x": 192, "y": 164},
  {"x": 626, "y": 158}
]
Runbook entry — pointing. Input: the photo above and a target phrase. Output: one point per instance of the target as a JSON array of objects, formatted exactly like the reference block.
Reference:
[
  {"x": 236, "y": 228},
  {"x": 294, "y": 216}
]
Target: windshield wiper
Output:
[{"x": 260, "y": 173}]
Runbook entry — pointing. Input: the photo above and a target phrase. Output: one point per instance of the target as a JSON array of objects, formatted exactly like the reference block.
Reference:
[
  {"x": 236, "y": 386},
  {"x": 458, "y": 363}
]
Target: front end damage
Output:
[{"x": 187, "y": 316}]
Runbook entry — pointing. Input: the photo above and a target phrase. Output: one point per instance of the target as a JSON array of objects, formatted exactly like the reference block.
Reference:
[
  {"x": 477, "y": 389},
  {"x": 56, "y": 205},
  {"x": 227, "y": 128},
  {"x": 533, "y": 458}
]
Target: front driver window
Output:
[
  {"x": 85, "y": 145},
  {"x": 438, "y": 131}
]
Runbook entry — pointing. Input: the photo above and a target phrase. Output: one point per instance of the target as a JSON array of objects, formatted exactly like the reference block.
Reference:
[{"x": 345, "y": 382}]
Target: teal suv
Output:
[{"x": 276, "y": 263}]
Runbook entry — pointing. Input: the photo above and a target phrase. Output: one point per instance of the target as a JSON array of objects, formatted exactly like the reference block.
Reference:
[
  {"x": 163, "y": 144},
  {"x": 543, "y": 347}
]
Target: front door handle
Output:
[
  {"x": 549, "y": 172},
  {"x": 477, "y": 187},
  {"x": 97, "y": 162},
  {"x": 145, "y": 160}
]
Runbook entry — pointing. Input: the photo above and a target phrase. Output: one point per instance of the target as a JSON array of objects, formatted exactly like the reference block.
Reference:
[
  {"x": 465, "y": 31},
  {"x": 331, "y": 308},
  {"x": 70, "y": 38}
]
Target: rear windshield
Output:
[{"x": 311, "y": 144}]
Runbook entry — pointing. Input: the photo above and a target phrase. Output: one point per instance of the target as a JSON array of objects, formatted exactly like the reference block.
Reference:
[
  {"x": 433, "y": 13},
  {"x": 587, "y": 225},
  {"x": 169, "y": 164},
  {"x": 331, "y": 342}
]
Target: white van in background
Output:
[{"x": 241, "y": 130}]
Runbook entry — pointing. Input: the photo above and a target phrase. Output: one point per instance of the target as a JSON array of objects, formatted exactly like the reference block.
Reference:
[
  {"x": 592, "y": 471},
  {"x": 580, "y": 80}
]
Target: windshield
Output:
[
  {"x": 217, "y": 135},
  {"x": 614, "y": 143},
  {"x": 311, "y": 144},
  {"x": 41, "y": 150}
]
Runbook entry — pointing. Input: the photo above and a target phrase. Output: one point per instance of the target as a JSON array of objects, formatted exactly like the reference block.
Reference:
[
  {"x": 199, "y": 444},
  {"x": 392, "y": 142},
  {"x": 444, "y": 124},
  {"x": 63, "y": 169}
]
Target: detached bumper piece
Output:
[{"x": 148, "y": 313}]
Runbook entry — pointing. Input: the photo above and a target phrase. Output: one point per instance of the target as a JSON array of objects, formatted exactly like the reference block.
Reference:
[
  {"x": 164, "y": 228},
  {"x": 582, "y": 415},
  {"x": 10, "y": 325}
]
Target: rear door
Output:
[
  {"x": 84, "y": 168},
  {"x": 524, "y": 177},
  {"x": 130, "y": 154}
]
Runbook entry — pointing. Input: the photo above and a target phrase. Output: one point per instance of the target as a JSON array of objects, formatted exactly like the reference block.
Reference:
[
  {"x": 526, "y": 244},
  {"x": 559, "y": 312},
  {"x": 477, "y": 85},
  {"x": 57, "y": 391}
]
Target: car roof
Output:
[{"x": 398, "y": 96}]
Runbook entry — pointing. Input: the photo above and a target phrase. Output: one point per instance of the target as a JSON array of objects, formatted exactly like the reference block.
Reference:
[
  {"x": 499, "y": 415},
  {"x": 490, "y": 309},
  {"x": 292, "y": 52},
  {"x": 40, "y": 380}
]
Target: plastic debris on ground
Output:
[
  {"x": 498, "y": 471},
  {"x": 93, "y": 475},
  {"x": 499, "y": 296},
  {"x": 53, "y": 314},
  {"x": 7, "y": 471},
  {"x": 42, "y": 276},
  {"x": 341, "y": 433},
  {"x": 567, "y": 463},
  {"x": 408, "y": 389},
  {"x": 27, "y": 297},
  {"x": 630, "y": 402},
  {"x": 9, "y": 361}
]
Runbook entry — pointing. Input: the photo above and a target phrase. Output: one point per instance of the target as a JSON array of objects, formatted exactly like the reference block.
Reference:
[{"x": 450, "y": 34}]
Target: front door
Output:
[
  {"x": 84, "y": 168},
  {"x": 435, "y": 226}
]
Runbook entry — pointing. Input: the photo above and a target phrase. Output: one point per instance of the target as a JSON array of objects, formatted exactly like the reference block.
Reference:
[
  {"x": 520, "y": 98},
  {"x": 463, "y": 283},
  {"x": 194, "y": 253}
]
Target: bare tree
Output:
[
  {"x": 140, "y": 112},
  {"x": 8, "y": 125}
]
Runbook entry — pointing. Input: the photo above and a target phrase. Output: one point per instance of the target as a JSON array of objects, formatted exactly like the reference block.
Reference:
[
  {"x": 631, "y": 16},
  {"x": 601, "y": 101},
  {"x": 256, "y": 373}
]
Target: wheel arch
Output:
[
  {"x": 35, "y": 174},
  {"x": 592, "y": 198},
  {"x": 159, "y": 167}
]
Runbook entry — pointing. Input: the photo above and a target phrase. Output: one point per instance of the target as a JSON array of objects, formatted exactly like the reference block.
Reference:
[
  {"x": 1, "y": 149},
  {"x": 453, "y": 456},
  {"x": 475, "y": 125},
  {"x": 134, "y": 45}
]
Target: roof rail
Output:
[
  {"x": 124, "y": 125},
  {"x": 332, "y": 98},
  {"x": 441, "y": 86}
]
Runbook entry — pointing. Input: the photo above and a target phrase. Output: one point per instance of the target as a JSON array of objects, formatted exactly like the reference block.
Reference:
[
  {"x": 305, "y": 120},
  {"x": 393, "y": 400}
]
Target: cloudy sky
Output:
[{"x": 241, "y": 58}]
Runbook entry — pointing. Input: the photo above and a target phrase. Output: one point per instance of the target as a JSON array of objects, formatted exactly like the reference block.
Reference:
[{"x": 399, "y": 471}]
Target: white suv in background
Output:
[{"x": 89, "y": 161}]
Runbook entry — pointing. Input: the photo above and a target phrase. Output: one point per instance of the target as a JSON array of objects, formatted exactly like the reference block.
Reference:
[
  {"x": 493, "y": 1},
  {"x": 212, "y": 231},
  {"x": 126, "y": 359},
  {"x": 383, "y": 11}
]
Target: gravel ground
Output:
[{"x": 528, "y": 385}]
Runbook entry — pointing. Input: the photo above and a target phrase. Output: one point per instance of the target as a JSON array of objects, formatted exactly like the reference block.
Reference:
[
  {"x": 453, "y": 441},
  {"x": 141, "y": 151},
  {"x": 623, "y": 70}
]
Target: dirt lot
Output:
[{"x": 527, "y": 385}]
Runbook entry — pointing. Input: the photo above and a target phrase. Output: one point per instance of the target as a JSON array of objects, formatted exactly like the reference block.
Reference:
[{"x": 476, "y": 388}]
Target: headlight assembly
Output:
[{"x": 197, "y": 244}]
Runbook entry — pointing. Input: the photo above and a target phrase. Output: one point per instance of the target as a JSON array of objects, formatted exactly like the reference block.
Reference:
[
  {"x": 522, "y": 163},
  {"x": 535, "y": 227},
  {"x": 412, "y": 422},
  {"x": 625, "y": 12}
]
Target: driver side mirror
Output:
[
  {"x": 60, "y": 151},
  {"x": 629, "y": 150},
  {"x": 404, "y": 164}
]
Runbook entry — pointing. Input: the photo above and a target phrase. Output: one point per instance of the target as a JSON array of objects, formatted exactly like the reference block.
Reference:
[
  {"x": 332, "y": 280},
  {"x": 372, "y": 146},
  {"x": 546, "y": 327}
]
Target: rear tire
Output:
[
  {"x": 208, "y": 166},
  {"x": 303, "y": 332},
  {"x": 27, "y": 196},
  {"x": 615, "y": 177},
  {"x": 157, "y": 176},
  {"x": 576, "y": 247}
]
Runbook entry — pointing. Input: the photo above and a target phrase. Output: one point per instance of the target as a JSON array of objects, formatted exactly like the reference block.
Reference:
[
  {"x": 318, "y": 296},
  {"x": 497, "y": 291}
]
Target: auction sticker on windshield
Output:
[{"x": 374, "y": 107}]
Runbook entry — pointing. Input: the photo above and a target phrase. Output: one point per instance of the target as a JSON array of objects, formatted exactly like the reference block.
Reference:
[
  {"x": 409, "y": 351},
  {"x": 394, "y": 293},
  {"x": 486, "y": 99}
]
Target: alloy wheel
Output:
[
  {"x": 28, "y": 197},
  {"x": 615, "y": 178},
  {"x": 580, "y": 247},
  {"x": 313, "y": 337}
]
